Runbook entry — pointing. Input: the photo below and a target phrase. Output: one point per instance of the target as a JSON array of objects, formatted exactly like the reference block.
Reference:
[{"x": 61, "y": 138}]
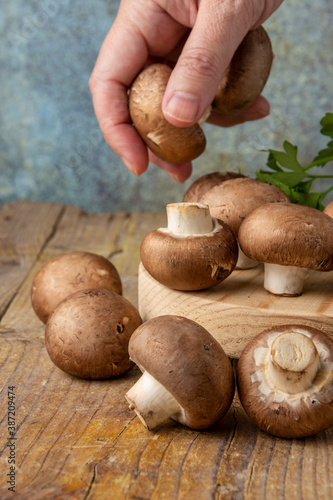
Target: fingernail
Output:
[
  {"x": 131, "y": 167},
  {"x": 174, "y": 176},
  {"x": 257, "y": 111},
  {"x": 263, "y": 108},
  {"x": 183, "y": 107}
]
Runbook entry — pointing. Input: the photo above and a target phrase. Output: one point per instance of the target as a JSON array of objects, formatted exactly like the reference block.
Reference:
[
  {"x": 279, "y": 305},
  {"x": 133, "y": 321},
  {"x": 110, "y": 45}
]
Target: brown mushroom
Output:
[
  {"x": 247, "y": 73},
  {"x": 87, "y": 335},
  {"x": 204, "y": 183},
  {"x": 289, "y": 239},
  {"x": 285, "y": 381},
  {"x": 186, "y": 374},
  {"x": 67, "y": 274},
  {"x": 172, "y": 144},
  {"x": 232, "y": 200},
  {"x": 240, "y": 86},
  {"x": 194, "y": 252}
]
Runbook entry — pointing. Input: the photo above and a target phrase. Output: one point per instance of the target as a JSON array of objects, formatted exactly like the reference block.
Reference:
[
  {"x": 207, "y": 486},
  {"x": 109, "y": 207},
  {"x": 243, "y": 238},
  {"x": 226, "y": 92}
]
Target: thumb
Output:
[{"x": 218, "y": 30}]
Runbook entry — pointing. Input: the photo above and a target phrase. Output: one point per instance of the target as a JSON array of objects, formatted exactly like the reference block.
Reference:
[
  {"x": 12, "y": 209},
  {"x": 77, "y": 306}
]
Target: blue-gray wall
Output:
[{"x": 51, "y": 146}]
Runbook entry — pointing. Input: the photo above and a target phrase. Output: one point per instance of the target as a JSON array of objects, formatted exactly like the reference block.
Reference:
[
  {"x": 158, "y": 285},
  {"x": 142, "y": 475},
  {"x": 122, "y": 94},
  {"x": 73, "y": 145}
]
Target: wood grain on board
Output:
[{"x": 239, "y": 308}]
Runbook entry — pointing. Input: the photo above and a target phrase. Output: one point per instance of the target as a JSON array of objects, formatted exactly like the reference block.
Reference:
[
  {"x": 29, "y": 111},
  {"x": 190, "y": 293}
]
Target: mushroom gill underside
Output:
[{"x": 285, "y": 381}]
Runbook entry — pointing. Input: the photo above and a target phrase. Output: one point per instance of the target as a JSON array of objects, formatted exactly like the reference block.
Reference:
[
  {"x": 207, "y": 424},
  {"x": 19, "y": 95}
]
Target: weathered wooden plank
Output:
[
  {"x": 115, "y": 236},
  {"x": 172, "y": 462},
  {"x": 75, "y": 230},
  {"x": 24, "y": 229},
  {"x": 61, "y": 422}
]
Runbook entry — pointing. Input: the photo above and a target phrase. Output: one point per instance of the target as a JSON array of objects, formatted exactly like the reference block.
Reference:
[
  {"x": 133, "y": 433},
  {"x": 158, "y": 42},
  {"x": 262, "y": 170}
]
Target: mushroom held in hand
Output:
[
  {"x": 285, "y": 381},
  {"x": 186, "y": 374},
  {"x": 194, "y": 252},
  {"x": 241, "y": 85},
  {"x": 231, "y": 201},
  {"x": 247, "y": 73},
  {"x": 289, "y": 239},
  {"x": 199, "y": 187},
  {"x": 172, "y": 144},
  {"x": 67, "y": 274},
  {"x": 88, "y": 333}
]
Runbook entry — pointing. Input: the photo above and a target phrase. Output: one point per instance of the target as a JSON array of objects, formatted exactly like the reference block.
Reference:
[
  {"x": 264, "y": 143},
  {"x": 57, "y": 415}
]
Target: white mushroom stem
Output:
[
  {"x": 294, "y": 362},
  {"x": 284, "y": 280},
  {"x": 243, "y": 261},
  {"x": 151, "y": 401},
  {"x": 189, "y": 218}
]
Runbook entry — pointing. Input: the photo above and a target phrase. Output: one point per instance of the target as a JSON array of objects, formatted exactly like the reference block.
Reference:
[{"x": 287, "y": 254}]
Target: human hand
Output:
[{"x": 200, "y": 38}]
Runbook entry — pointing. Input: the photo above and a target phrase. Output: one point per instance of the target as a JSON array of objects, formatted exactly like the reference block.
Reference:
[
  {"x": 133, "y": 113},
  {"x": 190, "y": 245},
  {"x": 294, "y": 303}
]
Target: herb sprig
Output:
[{"x": 293, "y": 178}]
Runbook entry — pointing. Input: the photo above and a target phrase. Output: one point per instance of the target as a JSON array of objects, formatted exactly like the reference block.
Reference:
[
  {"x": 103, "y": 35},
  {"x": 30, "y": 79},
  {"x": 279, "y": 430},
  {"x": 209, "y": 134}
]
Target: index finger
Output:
[{"x": 116, "y": 67}]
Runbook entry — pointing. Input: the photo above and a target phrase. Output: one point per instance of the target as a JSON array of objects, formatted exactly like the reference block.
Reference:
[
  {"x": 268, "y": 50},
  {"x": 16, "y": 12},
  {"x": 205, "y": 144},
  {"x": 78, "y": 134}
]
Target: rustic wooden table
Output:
[{"x": 77, "y": 439}]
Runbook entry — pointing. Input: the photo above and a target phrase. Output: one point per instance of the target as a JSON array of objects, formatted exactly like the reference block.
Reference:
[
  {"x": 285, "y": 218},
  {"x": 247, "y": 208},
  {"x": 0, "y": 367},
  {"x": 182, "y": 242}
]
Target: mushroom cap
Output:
[
  {"x": 328, "y": 210},
  {"x": 277, "y": 412},
  {"x": 232, "y": 200},
  {"x": 67, "y": 274},
  {"x": 185, "y": 358},
  {"x": 290, "y": 235},
  {"x": 172, "y": 144},
  {"x": 247, "y": 73},
  {"x": 199, "y": 187},
  {"x": 193, "y": 262},
  {"x": 88, "y": 333}
]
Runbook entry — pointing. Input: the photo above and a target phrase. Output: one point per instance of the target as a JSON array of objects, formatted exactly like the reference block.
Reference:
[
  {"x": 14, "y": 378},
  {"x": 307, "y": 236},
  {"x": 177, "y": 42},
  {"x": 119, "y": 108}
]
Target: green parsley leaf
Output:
[
  {"x": 325, "y": 155},
  {"x": 327, "y": 125},
  {"x": 272, "y": 163},
  {"x": 287, "y": 159},
  {"x": 293, "y": 178}
]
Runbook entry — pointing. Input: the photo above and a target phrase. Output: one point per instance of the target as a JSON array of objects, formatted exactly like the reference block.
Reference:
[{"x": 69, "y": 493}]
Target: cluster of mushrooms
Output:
[
  {"x": 229, "y": 222},
  {"x": 226, "y": 221},
  {"x": 78, "y": 295},
  {"x": 284, "y": 376}
]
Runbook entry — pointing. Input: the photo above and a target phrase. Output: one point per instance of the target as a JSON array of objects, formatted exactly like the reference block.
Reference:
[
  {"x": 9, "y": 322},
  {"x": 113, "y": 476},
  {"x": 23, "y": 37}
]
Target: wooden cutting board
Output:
[{"x": 240, "y": 308}]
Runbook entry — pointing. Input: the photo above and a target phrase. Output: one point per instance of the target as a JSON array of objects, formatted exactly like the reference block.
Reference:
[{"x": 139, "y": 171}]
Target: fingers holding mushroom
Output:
[
  {"x": 240, "y": 87},
  {"x": 186, "y": 374},
  {"x": 285, "y": 381},
  {"x": 170, "y": 143},
  {"x": 194, "y": 252},
  {"x": 67, "y": 274}
]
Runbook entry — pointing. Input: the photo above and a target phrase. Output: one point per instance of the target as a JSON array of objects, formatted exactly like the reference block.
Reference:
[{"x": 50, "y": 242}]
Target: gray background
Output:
[{"x": 51, "y": 146}]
